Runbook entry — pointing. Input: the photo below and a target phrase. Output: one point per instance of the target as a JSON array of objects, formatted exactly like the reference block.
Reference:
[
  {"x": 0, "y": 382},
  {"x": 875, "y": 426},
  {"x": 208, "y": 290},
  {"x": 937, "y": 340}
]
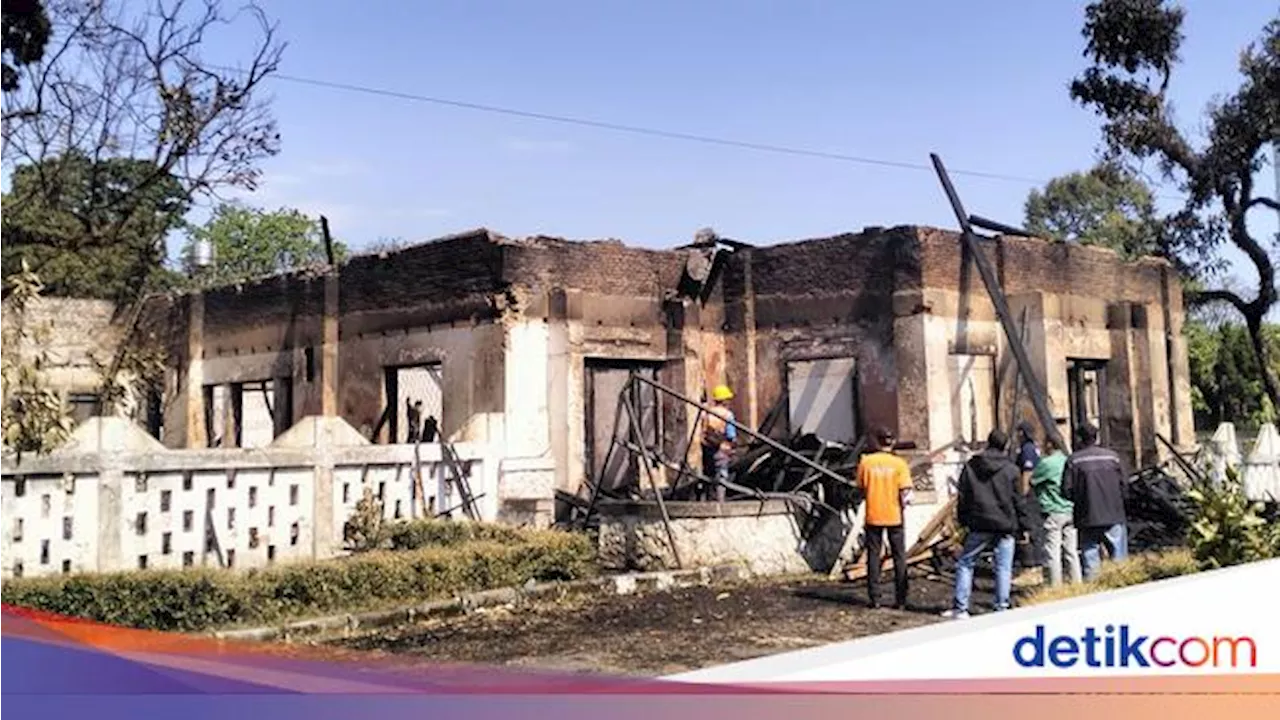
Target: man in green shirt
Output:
[{"x": 1059, "y": 527}]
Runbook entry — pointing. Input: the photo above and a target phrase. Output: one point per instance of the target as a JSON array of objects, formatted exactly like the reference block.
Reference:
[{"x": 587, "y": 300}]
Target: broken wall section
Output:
[
  {"x": 430, "y": 307},
  {"x": 1097, "y": 332},
  {"x": 810, "y": 324},
  {"x": 590, "y": 313}
]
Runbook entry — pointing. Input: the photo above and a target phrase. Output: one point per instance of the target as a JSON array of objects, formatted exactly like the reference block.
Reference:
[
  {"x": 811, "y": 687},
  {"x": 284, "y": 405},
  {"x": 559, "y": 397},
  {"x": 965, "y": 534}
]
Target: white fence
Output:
[
  {"x": 1259, "y": 470},
  {"x": 143, "y": 507}
]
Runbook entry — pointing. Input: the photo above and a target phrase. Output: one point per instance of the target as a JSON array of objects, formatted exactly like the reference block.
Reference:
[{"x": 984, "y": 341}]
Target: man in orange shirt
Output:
[{"x": 885, "y": 480}]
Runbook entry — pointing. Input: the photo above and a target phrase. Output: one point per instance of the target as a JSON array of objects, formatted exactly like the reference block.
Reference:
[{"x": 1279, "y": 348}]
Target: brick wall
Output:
[
  {"x": 79, "y": 331},
  {"x": 604, "y": 267},
  {"x": 870, "y": 262},
  {"x": 821, "y": 298},
  {"x": 1029, "y": 265},
  {"x": 439, "y": 272}
]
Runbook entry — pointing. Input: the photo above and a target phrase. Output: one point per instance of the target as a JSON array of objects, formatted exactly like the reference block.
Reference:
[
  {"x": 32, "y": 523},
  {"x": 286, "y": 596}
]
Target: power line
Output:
[
  {"x": 640, "y": 130},
  {"x": 649, "y": 131},
  {"x": 657, "y": 132}
]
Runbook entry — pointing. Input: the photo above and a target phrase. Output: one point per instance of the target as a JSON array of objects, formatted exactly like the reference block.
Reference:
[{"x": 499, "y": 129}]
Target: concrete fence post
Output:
[
  {"x": 326, "y": 541},
  {"x": 110, "y": 520}
]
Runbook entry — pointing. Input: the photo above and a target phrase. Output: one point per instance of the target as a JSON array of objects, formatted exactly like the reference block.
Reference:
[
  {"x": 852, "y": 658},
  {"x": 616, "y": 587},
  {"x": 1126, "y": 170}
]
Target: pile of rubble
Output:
[{"x": 1158, "y": 509}]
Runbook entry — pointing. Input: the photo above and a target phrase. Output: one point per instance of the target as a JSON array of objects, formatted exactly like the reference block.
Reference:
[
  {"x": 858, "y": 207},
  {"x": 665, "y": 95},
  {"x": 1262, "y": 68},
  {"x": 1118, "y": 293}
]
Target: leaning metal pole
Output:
[
  {"x": 1035, "y": 390},
  {"x": 638, "y": 434},
  {"x": 596, "y": 486}
]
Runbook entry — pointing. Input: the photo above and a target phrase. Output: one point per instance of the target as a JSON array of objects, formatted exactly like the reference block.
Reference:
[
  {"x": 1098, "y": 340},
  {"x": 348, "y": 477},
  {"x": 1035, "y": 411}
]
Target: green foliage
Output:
[
  {"x": 1225, "y": 383},
  {"x": 365, "y": 530},
  {"x": 1105, "y": 206},
  {"x": 414, "y": 534},
  {"x": 1228, "y": 528},
  {"x": 1133, "y": 47},
  {"x": 249, "y": 242},
  {"x": 141, "y": 368},
  {"x": 26, "y": 30},
  {"x": 35, "y": 418},
  {"x": 90, "y": 229},
  {"x": 1134, "y": 570},
  {"x": 195, "y": 600}
]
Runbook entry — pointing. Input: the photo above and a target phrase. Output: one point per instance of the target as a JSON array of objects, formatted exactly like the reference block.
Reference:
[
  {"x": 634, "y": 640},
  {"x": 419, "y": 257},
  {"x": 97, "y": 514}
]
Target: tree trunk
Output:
[{"x": 1253, "y": 321}]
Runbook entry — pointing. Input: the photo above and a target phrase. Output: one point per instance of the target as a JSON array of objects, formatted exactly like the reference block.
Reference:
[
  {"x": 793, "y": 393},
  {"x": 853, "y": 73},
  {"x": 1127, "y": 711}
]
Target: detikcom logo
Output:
[{"x": 1121, "y": 646}]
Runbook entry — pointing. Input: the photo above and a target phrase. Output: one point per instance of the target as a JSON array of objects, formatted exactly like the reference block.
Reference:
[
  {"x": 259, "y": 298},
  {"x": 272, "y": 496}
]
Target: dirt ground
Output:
[{"x": 667, "y": 632}]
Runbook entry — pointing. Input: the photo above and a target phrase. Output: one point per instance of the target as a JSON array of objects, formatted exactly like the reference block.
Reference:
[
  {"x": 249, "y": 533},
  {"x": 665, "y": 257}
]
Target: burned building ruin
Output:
[{"x": 525, "y": 345}]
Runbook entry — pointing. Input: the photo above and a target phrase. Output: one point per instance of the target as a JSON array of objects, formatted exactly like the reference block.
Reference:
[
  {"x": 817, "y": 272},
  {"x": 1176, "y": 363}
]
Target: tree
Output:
[
  {"x": 115, "y": 84},
  {"x": 35, "y": 418},
  {"x": 78, "y": 233},
  {"x": 386, "y": 244},
  {"x": 26, "y": 30},
  {"x": 248, "y": 242},
  {"x": 1133, "y": 46},
  {"x": 1105, "y": 206}
]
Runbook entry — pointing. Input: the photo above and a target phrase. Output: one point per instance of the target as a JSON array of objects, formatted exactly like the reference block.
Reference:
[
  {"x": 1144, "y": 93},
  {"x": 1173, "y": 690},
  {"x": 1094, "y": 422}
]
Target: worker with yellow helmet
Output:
[{"x": 718, "y": 435}]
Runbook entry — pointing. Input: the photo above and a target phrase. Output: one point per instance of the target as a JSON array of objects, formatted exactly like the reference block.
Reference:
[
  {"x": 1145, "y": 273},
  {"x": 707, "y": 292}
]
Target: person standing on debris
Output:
[
  {"x": 1094, "y": 481},
  {"x": 1059, "y": 539},
  {"x": 885, "y": 480},
  {"x": 413, "y": 416},
  {"x": 718, "y": 435},
  {"x": 993, "y": 513}
]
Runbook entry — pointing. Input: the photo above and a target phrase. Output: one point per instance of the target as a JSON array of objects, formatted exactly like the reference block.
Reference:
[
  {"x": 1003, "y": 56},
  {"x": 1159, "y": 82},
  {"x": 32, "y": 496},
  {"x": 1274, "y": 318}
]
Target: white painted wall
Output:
[
  {"x": 270, "y": 491},
  {"x": 34, "y": 511}
]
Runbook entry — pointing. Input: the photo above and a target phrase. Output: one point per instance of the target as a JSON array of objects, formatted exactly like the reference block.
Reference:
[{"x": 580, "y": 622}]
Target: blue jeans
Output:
[
  {"x": 1116, "y": 538},
  {"x": 975, "y": 543}
]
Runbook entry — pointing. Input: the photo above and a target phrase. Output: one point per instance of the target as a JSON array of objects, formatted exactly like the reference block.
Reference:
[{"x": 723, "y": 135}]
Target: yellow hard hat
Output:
[{"x": 722, "y": 392}]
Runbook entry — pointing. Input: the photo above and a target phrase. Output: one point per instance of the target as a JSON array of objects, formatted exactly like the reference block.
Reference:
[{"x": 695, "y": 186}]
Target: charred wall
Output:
[
  {"x": 820, "y": 299},
  {"x": 431, "y": 303},
  {"x": 1032, "y": 265}
]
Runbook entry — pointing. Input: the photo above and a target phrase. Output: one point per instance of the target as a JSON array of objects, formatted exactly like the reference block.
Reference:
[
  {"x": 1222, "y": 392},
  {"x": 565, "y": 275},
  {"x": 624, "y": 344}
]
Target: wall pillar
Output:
[
  {"x": 324, "y": 541},
  {"x": 565, "y": 425},
  {"x": 923, "y": 413},
  {"x": 1120, "y": 412},
  {"x": 329, "y": 348},
  {"x": 1144, "y": 440},
  {"x": 749, "y": 335},
  {"x": 192, "y": 387},
  {"x": 1182, "y": 420},
  {"x": 1037, "y": 339},
  {"x": 110, "y": 517}
]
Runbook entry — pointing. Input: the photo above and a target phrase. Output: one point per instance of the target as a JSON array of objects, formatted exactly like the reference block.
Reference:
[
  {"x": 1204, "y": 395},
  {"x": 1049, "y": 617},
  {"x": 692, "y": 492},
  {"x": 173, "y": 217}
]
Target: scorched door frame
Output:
[{"x": 591, "y": 433}]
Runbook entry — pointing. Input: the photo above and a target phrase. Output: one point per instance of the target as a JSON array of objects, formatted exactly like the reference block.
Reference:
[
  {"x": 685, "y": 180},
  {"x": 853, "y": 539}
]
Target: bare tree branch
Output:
[
  {"x": 1204, "y": 297},
  {"x": 126, "y": 83},
  {"x": 1266, "y": 201}
]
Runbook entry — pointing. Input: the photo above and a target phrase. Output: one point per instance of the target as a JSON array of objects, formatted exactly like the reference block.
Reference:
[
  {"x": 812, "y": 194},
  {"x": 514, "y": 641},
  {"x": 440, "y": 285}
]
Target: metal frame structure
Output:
[
  {"x": 628, "y": 437},
  {"x": 819, "y": 481}
]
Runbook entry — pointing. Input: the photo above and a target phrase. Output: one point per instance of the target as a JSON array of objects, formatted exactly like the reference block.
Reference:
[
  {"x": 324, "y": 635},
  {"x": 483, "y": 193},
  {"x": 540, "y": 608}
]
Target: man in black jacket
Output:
[
  {"x": 1094, "y": 480},
  {"x": 992, "y": 512}
]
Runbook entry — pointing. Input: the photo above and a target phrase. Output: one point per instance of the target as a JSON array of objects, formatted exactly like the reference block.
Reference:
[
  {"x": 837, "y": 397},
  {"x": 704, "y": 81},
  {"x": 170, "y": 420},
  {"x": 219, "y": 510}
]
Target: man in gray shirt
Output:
[{"x": 1094, "y": 481}]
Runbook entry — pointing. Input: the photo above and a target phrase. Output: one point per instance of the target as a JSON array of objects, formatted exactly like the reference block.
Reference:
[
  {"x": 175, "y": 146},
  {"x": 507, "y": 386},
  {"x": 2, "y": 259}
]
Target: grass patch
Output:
[
  {"x": 196, "y": 600},
  {"x": 1115, "y": 575}
]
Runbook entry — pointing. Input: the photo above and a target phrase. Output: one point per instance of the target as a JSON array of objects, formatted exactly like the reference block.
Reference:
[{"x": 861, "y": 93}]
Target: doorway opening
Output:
[
  {"x": 1085, "y": 381},
  {"x": 606, "y": 380}
]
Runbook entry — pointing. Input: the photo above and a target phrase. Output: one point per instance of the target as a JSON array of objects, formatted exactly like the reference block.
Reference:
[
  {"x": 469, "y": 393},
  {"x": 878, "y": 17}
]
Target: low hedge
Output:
[
  {"x": 201, "y": 599},
  {"x": 1115, "y": 575},
  {"x": 415, "y": 534}
]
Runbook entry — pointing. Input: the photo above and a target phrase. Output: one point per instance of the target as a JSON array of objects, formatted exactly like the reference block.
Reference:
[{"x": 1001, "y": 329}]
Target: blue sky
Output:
[{"x": 983, "y": 83}]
